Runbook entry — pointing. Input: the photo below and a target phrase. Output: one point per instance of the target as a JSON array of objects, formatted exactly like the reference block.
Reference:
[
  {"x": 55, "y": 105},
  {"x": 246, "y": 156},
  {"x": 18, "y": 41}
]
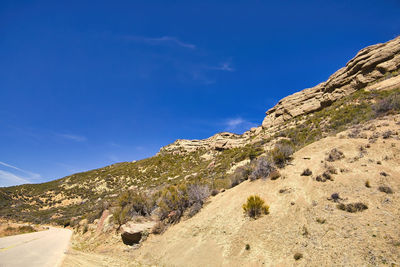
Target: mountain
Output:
[{"x": 365, "y": 90}]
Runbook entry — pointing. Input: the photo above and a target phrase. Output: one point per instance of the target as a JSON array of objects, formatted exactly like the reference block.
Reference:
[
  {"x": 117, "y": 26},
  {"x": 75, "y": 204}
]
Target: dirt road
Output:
[{"x": 45, "y": 248}]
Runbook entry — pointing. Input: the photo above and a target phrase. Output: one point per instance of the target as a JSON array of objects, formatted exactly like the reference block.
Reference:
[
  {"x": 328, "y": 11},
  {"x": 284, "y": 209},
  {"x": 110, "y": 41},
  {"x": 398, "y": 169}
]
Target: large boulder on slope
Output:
[{"x": 132, "y": 233}]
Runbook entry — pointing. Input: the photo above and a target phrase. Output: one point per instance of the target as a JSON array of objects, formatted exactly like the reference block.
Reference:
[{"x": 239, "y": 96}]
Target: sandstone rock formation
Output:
[
  {"x": 217, "y": 142},
  {"x": 104, "y": 224},
  {"x": 131, "y": 233},
  {"x": 369, "y": 65}
]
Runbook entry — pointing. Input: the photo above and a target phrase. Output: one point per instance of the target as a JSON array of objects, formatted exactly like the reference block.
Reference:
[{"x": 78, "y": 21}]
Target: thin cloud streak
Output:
[
  {"x": 225, "y": 66},
  {"x": 238, "y": 125},
  {"x": 9, "y": 179},
  {"x": 161, "y": 40},
  {"x": 73, "y": 137},
  {"x": 32, "y": 174}
]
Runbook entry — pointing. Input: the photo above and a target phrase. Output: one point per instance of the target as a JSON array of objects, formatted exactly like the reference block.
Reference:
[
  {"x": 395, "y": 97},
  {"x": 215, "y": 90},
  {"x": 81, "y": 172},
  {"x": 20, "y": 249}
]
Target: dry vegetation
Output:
[
  {"x": 342, "y": 222},
  {"x": 8, "y": 228},
  {"x": 85, "y": 195},
  {"x": 321, "y": 187}
]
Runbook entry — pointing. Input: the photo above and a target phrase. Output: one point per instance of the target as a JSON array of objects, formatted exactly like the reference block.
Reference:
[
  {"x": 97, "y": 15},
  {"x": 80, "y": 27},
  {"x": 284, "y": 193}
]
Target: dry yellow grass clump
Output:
[{"x": 255, "y": 207}]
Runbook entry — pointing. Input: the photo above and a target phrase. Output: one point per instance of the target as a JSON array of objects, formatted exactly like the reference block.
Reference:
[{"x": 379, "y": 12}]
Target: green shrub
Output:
[
  {"x": 389, "y": 103},
  {"x": 306, "y": 172},
  {"x": 255, "y": 207},
  {"x": 352, "y": 207},
  {"x": 281, "y": 154},
  {"x": 222, "y": 183},
  {"x": 141, "y": 203},
  {"x": 158, "y": 228},
  {"x": 173, "y": 202},
  {"x": 324, "y": 177},
  {"x": 298, "y": 256},
  {"x": 334, "y": 155},
  {"x": 120, "y": 215},
  {"x": 17, "y": 230},
  {"x": 240, "y": 174},
  {"x": 263, "y": 169},
  {"x": 275, "y": 174},
  {"x": 214, "y": 192},
  {"x": 385, "y": 189},
  {"x": 197, "y": 193}
]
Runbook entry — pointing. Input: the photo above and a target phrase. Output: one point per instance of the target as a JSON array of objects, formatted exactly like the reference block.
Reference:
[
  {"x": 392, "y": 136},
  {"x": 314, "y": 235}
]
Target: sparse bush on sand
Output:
[
  {"x": 389, "y": 103},
  {"x": 281, "y": 154},
  {"x": 263, "y": 169},
  {"x": 240, "y": 175},
  {"x": 255, "y": 206},
  {"x": 334, "y": 155},
  {"x": 335, "y": 197},
  {"x": 158, "y": 228},
  {"x": 214, "y": 192},
  {"x": 275, "y": 174},
  {"x": 352, "y": 207},
  {"x": 385, "y": 189},
  {"x": 306, "y": 172},
  {"x": 298, "y": 256},
  {"x": 10, "y": 230}
]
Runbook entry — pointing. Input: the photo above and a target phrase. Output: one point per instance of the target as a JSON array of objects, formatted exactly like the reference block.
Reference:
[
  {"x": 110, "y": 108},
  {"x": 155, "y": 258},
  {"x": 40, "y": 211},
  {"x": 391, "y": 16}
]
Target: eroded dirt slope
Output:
[{"x": 302, "y": 219}]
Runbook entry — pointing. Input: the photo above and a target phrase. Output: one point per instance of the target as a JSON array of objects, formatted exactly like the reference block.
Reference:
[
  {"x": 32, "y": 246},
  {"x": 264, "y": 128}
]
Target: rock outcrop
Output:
[
  {"x": 369, "y": 65},
  {"x": 132, "y": 233},
  {"x": 217, "y": 142}
]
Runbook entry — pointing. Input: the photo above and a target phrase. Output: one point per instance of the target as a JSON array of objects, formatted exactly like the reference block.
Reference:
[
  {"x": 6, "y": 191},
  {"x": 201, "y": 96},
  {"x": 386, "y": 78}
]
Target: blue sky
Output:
[{"x": 84, "y": 84}]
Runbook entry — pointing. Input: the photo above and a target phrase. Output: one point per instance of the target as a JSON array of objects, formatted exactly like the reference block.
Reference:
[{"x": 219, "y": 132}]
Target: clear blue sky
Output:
[{"x": 84, "y": 84}]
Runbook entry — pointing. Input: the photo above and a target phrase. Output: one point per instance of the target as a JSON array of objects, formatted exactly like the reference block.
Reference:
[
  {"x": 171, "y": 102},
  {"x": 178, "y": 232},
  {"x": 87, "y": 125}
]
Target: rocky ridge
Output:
[
  {"x": 216, "y": 142},
  {"x": 371, "y": 64}
]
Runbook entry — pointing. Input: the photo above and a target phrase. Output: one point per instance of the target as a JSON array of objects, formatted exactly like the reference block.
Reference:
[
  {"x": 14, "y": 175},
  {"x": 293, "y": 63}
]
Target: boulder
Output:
[{"x": 132, "y": 233}]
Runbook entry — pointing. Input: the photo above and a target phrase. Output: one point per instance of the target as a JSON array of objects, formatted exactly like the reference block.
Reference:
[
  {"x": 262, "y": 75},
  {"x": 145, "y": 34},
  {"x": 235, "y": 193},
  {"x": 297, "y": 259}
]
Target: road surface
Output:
[{"x": 45, "y": 248}]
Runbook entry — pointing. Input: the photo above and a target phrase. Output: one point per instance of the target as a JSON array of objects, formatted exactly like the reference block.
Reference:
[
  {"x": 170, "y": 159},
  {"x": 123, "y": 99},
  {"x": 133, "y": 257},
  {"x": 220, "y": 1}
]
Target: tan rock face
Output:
[
  {"x": 370, "y": 64},
  {"x": 218, "y": 142}
]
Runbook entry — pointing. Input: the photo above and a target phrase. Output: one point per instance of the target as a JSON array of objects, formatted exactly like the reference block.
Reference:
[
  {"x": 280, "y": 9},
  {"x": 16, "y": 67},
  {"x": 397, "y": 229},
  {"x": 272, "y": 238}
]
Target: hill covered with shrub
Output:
[{"x": 365, "y": 89}]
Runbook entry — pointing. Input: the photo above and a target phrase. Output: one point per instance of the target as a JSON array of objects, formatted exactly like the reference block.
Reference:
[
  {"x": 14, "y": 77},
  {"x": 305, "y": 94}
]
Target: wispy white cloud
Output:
[
  {"x": 31, "y": 174},
  {"x": 224, "y": 66},
  {"x": 16, "y": 176},
  {"x": 68, "y": 167},
  {"x": 202, "y": 77},
  {"x": 238, "y": 124},
  {"x": 232, "y": 123},
  {"x": 73, "y": 137},
  {"x": 113, "y": 158},
  {"x": 160, "y": 40},
  {"x": 114, "y": 144},
  {"x": 9, "y": 179}
]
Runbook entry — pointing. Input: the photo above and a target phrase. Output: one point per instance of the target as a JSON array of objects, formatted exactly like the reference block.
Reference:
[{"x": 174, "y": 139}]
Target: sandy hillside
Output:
[{"x": 217, "y": 236}]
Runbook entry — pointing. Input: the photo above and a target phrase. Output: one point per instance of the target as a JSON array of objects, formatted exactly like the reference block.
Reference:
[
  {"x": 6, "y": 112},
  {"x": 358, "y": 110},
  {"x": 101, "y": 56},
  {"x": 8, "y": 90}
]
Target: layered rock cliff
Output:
[
  {"x": 216, "y": 142},
  {"x": 371, "y": 64}
]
